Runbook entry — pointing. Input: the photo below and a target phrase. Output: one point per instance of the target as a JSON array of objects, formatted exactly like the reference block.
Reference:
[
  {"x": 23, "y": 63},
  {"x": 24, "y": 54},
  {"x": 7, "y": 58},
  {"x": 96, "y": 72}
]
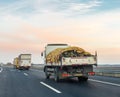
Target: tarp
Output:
[{"x": 55, "y": 55}]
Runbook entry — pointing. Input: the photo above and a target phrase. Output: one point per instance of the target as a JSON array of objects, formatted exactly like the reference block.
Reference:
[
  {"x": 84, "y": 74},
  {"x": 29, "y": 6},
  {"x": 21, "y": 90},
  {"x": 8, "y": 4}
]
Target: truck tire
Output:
[
  {"x": 82, "y": 78},
  {"x": 56, "y": 75},
  {"x": 46, "y": 73},
  {"x": 56, "y": 78},
  {"x": 27, "y": 68}
]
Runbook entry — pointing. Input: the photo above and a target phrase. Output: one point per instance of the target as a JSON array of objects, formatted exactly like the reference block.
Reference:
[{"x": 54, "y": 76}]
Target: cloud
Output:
[
  {"x": 84, "y": 6},
  {"x": 40, "y": 6},
  {"x": 67, "y": 7},
  {"x": 12, "y": 8},
  {"x": 95, "y": 30}
]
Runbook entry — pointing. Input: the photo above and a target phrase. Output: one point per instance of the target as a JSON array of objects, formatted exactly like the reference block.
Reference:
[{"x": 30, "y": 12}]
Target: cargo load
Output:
[{"x": 57, "y": 54}]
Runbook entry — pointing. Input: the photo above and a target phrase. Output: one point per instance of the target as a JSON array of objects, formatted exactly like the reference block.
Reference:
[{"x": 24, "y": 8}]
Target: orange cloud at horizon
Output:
[{"x": 22, "y": 42}]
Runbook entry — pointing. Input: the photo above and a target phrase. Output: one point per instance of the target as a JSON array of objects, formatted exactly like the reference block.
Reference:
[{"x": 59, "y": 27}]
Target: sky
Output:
[{"x": 27, "y": 26}]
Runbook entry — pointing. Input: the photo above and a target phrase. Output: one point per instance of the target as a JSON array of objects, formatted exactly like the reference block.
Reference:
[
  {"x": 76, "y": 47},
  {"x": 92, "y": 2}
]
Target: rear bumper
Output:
[
  {"x": 66, "y": 75},
  {"x": 24, "y": 67}
]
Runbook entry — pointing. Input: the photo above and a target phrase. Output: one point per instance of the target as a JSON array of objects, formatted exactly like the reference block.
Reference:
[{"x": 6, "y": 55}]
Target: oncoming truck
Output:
[{"x": 63, "y": 61}]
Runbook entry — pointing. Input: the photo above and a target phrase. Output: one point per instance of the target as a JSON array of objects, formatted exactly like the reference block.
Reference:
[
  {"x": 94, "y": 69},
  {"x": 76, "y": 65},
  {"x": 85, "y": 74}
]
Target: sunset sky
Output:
[{"x": 26, "y": 26}]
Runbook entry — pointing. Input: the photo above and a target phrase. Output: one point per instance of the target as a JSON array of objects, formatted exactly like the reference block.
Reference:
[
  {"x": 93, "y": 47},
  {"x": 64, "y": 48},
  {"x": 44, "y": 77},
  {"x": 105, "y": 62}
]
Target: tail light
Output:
[
  {"x": 65, "y": 75},
  {"x": 91, "y": 73}
]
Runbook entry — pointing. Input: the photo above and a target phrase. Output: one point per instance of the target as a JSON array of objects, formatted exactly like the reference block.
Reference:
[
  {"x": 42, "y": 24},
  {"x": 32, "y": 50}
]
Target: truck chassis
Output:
[{"x": 61, "y": 72}]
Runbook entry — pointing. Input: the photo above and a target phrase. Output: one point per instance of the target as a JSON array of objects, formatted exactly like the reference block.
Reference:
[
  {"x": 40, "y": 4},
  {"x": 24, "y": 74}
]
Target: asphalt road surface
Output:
[{"x": 32, "y": 83}]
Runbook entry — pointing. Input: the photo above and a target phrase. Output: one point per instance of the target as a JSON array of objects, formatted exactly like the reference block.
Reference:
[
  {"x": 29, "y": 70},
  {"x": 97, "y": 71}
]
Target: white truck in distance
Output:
[
  {"x": 24, "y": 61},
  {"x": 64, "y": 61}
]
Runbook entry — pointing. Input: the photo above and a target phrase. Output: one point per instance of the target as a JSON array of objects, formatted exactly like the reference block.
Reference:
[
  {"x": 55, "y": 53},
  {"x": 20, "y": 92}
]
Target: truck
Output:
[
  {"x": 15, "y": 63},
  {"x": 63, "y": 62},
  {"x": 23, "y": 61}
]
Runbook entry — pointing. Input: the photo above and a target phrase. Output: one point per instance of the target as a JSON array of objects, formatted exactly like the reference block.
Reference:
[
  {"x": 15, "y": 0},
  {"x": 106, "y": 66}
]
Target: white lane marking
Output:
[
  {"x": 25, "y": 74},
  {"x": 103, "y": 82},
  {"x": 1, "y": 69},
  {"x": 55, "y": 90}
]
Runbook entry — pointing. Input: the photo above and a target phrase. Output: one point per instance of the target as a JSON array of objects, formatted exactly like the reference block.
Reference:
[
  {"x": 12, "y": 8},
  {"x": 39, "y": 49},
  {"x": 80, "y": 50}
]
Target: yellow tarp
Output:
[{"x": 55, "y": 55}]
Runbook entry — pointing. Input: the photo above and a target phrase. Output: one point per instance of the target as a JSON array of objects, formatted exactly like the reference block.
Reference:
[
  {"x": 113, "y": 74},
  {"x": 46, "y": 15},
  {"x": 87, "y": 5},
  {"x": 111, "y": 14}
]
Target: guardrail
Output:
[
  {"x": 108, "y": 74},
  {"x": 37, "y": 67},
  {"x": 114, "y": 74}
]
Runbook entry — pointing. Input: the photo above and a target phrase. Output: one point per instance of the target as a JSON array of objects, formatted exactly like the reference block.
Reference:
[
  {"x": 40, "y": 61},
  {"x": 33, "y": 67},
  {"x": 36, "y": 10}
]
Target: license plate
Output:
[{"x": 78, "y": 74}]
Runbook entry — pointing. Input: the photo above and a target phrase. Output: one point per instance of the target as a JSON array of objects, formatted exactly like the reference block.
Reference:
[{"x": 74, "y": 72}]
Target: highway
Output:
[{"x": 32, "y": 83}]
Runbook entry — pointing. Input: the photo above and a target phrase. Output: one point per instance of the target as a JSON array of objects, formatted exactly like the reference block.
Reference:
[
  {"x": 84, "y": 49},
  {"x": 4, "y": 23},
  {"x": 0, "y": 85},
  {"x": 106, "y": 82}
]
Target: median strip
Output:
[
  {"x": 103, "y": 82},
  {"x": 48, "y": 86}
]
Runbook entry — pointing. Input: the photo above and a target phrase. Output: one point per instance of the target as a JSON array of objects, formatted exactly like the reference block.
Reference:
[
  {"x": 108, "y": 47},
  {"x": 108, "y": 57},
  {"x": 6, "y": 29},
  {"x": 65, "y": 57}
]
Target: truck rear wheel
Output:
[
  {"x": 56, "y": 75},
  {"x": 27, "y": 68},
  {"x": 46, "y": 73},
  {"x": 82, "y": 78},
  {"x": 56, "y": 78}
]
